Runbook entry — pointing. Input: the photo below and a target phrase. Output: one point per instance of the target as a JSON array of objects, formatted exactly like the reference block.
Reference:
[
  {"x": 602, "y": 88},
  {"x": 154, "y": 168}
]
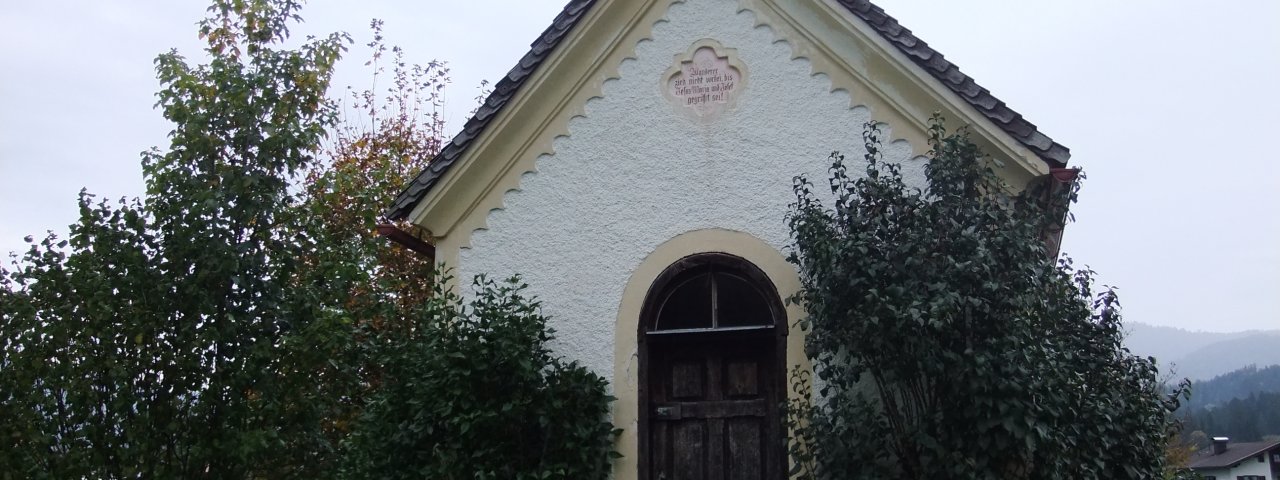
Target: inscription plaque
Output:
[{"x": 706, "y": 80}]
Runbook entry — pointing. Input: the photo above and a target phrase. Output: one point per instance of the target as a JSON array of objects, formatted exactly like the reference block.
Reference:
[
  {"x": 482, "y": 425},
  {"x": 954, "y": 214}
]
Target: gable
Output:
[{"x": 864, "y": 50}]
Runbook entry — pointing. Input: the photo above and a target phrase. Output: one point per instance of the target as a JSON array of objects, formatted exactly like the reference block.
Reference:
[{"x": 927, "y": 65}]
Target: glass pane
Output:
[
  {"x": 740, "y": 303},
  {"x": 688, "y": 305}
]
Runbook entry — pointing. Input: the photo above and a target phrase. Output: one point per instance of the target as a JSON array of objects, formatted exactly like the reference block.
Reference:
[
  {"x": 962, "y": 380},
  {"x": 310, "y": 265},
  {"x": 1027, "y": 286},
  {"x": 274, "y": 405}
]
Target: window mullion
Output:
[{"x": 715, "y": 300}]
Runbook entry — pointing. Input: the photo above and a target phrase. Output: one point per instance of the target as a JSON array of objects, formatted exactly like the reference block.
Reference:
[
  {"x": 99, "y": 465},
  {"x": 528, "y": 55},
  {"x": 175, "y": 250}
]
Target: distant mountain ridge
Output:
[{"x": 1203, "y": 355}]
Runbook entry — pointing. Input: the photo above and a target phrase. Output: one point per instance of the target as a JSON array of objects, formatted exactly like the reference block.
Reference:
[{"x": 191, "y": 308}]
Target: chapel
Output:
[{"x": 636, "y": 166}]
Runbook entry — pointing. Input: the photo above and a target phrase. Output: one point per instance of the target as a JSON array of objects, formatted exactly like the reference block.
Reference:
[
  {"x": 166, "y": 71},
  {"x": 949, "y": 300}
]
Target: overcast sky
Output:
[{"x": 1170, "y": 106}]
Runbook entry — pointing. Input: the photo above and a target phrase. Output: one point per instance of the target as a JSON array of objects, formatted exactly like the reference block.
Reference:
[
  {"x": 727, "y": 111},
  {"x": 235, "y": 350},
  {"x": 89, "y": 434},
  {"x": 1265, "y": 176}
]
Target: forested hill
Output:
[
  {"x": 1250, "y": 419},
  {"x": 1203, "y": 355},
  {"x": 1243, "y": 405},
  {"x": 1238, "y": 384}
]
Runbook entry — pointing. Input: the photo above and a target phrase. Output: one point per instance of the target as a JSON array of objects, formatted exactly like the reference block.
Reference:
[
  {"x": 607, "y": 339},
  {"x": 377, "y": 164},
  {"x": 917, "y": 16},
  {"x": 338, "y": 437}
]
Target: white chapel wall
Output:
[{"x": 637, "y": 170}]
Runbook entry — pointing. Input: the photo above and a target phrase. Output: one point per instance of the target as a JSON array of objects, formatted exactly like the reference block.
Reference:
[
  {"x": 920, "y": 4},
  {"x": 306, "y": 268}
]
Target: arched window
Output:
[
  {"x": 711, "y": 292},
  {"x": 714, "y": 297}
]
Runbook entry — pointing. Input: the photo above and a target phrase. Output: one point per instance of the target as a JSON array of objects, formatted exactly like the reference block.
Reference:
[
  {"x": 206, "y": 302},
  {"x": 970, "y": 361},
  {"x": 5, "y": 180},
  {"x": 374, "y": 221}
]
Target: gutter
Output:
[{"x": 406, "y": 240}]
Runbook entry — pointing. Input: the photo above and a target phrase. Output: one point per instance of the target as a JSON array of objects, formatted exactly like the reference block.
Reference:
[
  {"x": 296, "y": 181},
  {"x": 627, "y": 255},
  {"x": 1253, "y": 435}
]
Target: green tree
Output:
[
  {"x": 947, "y": 343},
  {"x": 368, "y": 286},
  {"x": 1247, "y": 419},
  {"x": 163, "y": 338},
  {"x": 433, "y": 388}
]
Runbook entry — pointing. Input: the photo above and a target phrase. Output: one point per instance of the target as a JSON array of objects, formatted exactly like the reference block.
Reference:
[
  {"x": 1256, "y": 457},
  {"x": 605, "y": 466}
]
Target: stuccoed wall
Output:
[{"x": 635, "y": 172}]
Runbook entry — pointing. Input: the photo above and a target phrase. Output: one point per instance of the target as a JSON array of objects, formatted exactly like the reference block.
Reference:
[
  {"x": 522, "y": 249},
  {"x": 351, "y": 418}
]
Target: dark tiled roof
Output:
[
  {"x": 503, "y": 92},
  {"x": 1236, "y": 453},
  {"x": 931, "y": 61},
  {"x": 917, "y": 50}
]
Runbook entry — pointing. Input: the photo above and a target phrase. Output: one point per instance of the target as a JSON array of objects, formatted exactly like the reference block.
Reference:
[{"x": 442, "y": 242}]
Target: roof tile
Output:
[
  {"x": 934, "y": 63},
  {"x": 861, "y": 6},
  {"x": 1002, "y": 115},
  {"x": 969, "y": 89},
  {"x": 1022, "y": 130},
  {"x": 892, "y": 29},
  {"x": 983, "y": 100},
  {"x": 923, "y": 55},
  {"x": 1037, "y": 140}
]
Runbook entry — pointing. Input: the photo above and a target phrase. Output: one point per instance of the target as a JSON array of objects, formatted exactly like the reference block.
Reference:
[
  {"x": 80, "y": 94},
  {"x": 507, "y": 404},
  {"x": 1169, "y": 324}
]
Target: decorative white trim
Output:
[{"x": 903, "y": 113}]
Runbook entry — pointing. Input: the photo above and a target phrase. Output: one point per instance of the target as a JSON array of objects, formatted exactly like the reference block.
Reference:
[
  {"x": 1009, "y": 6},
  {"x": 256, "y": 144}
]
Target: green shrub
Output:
[
  {"x": 948, "y": 343},
  {"x": 473, "y": 392}
]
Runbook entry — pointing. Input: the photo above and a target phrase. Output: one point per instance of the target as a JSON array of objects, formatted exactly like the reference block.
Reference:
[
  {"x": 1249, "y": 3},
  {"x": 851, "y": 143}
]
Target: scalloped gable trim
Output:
[{"x": 566, "y": 23}]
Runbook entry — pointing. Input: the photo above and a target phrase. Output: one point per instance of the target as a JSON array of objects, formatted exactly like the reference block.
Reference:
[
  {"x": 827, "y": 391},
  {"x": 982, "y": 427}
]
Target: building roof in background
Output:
[
  {"x": 1235, "y": 453},
  {"x": 1051, "y": 152}
]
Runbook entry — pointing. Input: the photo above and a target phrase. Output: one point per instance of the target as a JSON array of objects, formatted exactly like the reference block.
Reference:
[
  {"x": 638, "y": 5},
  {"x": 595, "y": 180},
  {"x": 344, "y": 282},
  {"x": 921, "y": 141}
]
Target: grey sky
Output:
[{"x": 1170, "y": 106}]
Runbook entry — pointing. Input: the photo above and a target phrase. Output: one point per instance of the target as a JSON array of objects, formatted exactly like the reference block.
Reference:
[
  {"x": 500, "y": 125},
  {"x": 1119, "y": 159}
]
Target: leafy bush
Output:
[
  {"x": 473, "y": 392},
  {"x": 946, "y": 341}
]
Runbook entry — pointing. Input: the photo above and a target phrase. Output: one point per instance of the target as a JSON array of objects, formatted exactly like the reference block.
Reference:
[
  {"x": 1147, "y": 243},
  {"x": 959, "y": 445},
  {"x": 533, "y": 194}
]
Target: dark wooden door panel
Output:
[
  {"x": 688, "y": 379},
  {"x": 746, "y": 457},
  {"x": 660, "y": 460},
  {"x": 711, "y": 449},
  {"x": 743, "y": 378},
  {"x": 690, "y": 451},
  {"x": 711, "y": 410},
  {"x": 716, "y": 442}
]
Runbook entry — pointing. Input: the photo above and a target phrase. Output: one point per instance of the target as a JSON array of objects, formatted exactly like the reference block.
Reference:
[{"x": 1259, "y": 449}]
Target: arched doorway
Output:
[{"x": 712, "y": 339}]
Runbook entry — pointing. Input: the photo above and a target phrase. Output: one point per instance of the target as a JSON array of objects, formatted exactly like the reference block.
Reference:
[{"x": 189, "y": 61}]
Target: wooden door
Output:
[
  {"x": 713, "y": 407},
  {"x": 713, "y": 334}
]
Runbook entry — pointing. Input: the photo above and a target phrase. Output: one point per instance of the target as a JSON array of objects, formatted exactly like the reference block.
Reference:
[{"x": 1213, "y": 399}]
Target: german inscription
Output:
[{"x": 705, "y": 83}]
